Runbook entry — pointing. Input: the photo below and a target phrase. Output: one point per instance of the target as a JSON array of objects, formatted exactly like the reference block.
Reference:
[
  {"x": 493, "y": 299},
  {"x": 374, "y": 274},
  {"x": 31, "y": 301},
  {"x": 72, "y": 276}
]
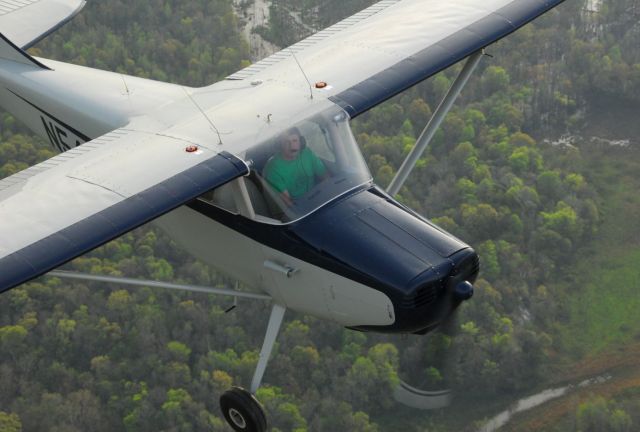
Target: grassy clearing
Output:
[
  {"x": 604, "y": 291},
  {"x": 607, "y": 309}
]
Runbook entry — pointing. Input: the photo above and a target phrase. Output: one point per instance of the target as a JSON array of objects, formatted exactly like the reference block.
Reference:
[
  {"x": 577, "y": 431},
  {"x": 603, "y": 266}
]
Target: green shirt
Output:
[{"x": 294, "y": 176}]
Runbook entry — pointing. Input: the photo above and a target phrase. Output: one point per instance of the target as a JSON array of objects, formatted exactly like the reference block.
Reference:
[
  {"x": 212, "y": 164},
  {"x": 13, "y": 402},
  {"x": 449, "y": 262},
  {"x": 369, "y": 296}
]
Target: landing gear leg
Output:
[{"x": 240, "y": 408}]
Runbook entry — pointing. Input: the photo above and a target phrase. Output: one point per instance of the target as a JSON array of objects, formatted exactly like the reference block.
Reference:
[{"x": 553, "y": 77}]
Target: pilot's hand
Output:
[{"x": 286, "y": 198}]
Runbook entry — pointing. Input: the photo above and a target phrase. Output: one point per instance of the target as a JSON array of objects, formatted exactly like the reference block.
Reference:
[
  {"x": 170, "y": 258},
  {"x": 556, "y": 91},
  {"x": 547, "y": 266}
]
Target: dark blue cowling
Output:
[{"x": 416, "y": 264}]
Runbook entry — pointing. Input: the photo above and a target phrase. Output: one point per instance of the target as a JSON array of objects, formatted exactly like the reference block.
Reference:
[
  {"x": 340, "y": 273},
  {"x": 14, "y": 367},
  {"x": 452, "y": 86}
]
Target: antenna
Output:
[
  {"x": 204, "y": 114},
  {"x": 126, "y": 87},
  {"x": 302, "y": 70}
]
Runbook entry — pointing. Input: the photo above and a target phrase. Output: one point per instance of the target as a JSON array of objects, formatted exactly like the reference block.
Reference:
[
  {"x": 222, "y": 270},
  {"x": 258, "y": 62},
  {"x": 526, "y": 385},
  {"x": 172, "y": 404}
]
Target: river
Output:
[{"x": 535, "y": 400}]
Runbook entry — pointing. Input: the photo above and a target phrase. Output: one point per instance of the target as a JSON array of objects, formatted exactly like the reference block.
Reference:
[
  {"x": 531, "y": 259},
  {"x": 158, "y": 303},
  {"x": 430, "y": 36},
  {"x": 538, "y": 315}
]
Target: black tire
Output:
[{"x": 242, "y": 411}]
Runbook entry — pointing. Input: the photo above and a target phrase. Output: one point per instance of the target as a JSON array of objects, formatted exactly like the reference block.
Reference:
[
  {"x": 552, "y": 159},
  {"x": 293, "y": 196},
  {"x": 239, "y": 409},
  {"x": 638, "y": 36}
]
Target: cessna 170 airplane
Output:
[{"x": 197, "y": 161}]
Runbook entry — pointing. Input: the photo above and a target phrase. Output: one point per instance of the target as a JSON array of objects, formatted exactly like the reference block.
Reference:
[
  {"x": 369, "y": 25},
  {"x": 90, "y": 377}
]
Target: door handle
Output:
[{"x": 284, "y": 269}]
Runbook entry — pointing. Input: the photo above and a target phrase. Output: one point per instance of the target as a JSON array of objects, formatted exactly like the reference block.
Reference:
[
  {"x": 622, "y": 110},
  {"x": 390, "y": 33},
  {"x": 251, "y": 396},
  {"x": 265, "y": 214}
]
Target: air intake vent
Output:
[{"x": 423, "y": 296}]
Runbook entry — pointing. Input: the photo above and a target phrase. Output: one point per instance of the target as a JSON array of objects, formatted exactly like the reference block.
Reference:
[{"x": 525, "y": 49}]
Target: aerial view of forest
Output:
[{"x": 537, "y": 167}]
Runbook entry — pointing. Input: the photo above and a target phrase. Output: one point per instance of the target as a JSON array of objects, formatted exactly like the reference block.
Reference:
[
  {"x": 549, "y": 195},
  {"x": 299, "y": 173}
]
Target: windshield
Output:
[{"x": 298, "y": 169}]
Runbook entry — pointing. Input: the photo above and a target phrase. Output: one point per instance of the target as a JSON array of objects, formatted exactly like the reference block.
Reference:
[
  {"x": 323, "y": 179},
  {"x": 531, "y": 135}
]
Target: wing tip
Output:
[{"x": 80, "y": 5}]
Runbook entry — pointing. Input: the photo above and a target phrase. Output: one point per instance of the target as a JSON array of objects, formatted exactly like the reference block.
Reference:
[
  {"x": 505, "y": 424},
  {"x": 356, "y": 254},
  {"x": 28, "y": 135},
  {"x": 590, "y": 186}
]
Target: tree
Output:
[
  {"x": 12, "y": 341},
  {"x": 563, "y": 220},
  {"x": 10, "y": 422},
  {"x": 495, "y": 79},
  {"x": 490, "y": 264},
  {"x": 549, "y": 185},
  {"x": 372, "y": 379},
  {"x": 481, "y": 221},
  {"x": 600, "y": 415},
  {"x": 178, "y": 351},
  {"x": 285, "y": 414},
  {"x": 419, "y": 113}
]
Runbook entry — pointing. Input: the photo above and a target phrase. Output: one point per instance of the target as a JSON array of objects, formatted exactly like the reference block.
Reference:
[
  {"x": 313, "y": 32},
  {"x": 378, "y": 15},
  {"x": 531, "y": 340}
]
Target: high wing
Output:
[
  {"x": 394, "y": 44},
  {"x": 25, "y": 22},
  {"x": 77, "y": 201},
  {"x": 74, "y": 202}
]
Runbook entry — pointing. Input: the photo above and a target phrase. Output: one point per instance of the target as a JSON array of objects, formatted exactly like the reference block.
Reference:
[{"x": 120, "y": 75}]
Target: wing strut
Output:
[
  {"x": 275, "y": 320},
  {"x": 156, "y": 284},
  {"x": 434, "y": 123}
]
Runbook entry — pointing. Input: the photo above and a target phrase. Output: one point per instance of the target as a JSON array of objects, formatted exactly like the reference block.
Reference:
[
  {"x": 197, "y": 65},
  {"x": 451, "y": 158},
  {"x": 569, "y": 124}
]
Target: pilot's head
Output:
[{"x": 291, "y": 144}]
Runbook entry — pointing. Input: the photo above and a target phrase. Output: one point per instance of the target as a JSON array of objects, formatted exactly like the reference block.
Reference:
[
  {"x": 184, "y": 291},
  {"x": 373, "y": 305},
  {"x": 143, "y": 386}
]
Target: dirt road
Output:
[{"x": 253, "y": 16}]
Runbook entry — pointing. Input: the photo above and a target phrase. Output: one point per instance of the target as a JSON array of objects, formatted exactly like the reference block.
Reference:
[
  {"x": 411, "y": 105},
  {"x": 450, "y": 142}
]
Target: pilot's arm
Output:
[
  {"x": 278, "y": 181},
  {"x": 319, "y": 169}
]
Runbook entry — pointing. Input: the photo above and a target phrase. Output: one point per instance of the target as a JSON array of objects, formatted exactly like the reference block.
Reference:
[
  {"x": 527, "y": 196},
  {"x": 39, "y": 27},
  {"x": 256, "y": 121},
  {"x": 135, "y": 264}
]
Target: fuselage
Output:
[{"x": 363, "y": 260}]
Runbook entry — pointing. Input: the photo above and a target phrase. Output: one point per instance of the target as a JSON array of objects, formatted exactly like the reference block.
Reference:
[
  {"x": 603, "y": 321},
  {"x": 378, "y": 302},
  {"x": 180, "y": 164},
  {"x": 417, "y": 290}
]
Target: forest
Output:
[{"x": 79, "y": 356}]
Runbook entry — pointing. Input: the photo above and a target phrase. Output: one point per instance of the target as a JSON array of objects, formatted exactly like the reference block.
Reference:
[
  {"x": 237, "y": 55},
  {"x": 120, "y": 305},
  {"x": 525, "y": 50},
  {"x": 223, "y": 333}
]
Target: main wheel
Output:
[{"x": 242, "y": 411}]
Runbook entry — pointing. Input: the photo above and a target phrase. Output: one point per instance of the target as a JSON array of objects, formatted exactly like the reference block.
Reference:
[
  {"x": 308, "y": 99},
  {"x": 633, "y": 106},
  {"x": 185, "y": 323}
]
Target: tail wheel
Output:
[{"x": 242, "y": 411}]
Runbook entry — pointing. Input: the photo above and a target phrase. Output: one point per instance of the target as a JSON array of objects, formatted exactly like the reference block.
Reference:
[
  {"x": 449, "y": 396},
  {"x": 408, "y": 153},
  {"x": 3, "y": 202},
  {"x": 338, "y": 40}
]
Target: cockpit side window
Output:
[
  {"x": 318, "y": 140},
  {"x": 297, "y": 170}
]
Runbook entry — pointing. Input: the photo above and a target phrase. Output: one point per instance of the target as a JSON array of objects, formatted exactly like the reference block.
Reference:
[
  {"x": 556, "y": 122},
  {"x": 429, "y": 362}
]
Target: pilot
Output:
[{"x": 295, "y": 169}]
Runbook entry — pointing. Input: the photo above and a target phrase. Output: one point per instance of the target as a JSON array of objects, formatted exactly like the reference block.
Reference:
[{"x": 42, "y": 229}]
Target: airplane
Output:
[{"x": 197, "y": 162}]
